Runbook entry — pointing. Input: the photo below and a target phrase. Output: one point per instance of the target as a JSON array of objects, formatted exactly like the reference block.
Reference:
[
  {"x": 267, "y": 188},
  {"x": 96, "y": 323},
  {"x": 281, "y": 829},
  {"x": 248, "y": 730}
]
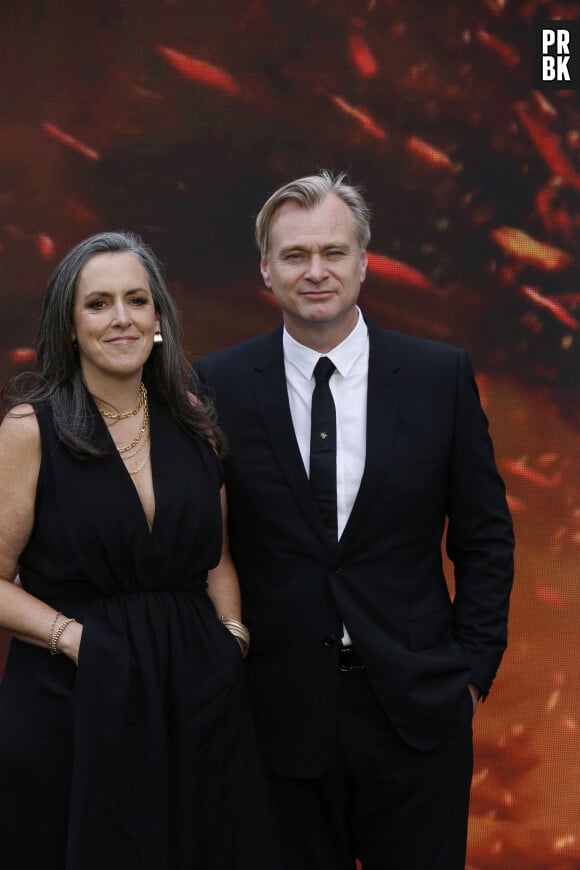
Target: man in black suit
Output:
[{"x": 364, "y": 672}]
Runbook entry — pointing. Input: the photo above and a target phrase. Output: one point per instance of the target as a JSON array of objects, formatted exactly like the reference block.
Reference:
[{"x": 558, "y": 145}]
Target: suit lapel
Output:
[
  {"x": 272, "y": 401},
  {"x": 383, "y": 402}
]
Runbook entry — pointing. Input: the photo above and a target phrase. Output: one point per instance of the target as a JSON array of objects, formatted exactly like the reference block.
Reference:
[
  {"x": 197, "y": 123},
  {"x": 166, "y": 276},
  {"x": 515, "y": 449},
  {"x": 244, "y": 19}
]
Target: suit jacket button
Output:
[
  {"x": 329, "y": 641},
  {"x": 335, "y": 569}
]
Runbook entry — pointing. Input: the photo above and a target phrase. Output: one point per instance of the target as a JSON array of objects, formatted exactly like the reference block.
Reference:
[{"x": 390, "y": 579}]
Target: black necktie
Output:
[{"x": 323, "y": 445}]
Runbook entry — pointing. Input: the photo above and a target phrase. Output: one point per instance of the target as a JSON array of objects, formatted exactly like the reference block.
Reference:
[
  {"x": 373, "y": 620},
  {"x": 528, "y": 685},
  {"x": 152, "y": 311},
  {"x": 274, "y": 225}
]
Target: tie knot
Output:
[{"x": 323, "y": 370}]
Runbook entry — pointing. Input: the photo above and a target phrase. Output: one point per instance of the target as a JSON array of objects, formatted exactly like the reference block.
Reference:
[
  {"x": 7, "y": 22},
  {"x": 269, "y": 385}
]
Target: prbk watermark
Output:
[{"x": 557, "y": 55}]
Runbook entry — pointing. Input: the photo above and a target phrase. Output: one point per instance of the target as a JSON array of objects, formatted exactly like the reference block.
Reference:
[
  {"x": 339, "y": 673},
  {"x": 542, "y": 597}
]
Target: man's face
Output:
[{"x": 315, "y": 266}]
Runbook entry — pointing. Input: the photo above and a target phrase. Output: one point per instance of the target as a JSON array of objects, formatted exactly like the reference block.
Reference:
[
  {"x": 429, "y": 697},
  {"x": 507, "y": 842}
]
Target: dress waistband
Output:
[{"x": 82, "y": 594}]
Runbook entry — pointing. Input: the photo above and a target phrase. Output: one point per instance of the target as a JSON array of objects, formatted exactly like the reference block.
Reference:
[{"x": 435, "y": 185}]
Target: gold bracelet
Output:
[
  {"x": 237, "y": 628},
  {"x": 239, "y": 631},
  {"x": 56, "y": 636},
  {"x": 52, "y": 629}
]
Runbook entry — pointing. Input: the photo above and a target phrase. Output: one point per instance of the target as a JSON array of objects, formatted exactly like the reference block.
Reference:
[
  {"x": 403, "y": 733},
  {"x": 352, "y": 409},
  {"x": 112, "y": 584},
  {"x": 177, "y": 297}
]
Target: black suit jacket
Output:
[{"x": 429, "y": 459}]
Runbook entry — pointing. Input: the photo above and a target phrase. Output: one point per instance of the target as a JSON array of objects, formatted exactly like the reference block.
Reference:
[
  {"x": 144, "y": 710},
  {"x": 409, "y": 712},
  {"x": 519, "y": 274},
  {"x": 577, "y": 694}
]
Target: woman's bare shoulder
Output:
[
  {"x": 20, "y": 461},
  {"x": 19, "y": 429}
]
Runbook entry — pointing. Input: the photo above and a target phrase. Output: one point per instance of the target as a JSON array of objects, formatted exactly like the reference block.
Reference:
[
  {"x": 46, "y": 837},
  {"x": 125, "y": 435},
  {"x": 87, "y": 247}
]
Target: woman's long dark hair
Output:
[{"x": 58, "y": 378}]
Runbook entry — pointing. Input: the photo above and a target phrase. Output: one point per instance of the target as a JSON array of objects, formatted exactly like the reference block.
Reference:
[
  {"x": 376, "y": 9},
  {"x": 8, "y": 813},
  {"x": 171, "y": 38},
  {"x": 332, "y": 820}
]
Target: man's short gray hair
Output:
[{"x": 308, "y": 192}]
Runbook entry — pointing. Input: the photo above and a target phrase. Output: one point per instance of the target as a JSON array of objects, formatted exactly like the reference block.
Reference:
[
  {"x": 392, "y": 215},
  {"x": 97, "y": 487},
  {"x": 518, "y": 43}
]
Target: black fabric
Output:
[
  {"x": 429, "y": 466},
  {"x": 379, "y": 800},
  {"x": 143, "y": 757},
  {"x": 323, "y": 445}
]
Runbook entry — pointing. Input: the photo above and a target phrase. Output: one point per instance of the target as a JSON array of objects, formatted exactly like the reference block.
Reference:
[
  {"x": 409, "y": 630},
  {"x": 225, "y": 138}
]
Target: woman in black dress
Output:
[{"x": 125, "y": 736}]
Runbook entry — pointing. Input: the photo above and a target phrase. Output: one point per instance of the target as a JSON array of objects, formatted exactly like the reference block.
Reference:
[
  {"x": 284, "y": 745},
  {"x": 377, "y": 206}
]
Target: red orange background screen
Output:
[{"x": 176, "y": 119}]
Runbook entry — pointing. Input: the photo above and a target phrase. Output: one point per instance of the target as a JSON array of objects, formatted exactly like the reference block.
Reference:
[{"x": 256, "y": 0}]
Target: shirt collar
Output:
[{"x": 344, "y": 355}]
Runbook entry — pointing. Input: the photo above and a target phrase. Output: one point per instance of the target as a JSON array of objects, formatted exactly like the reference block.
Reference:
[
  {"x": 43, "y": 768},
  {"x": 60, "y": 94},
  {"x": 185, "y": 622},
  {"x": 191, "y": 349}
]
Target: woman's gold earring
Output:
[{"x": 158, "y": 338}]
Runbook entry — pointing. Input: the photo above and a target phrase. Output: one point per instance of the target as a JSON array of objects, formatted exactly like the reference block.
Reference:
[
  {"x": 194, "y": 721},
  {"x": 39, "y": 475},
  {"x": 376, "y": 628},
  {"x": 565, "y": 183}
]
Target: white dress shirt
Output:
[{"x": 348, "y": 385}]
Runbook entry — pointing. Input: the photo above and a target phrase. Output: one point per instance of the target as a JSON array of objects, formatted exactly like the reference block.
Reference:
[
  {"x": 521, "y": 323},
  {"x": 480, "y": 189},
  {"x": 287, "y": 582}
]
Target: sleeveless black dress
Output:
[{"x": 143, "y": 758}]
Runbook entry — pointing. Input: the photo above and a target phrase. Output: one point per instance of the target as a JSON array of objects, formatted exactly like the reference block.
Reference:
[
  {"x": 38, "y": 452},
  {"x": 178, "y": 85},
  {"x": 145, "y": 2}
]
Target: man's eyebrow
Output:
[
  {"x": 297, "y": 247},
  {"x": 344, "y": 246}
]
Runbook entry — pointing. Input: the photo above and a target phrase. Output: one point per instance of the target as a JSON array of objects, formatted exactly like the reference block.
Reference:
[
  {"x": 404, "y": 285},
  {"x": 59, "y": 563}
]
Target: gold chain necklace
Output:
[
  {"x": 140, "y": 467},
  {"x": 139, "y": 450},
  {"x": 142, "y": 430},
  {"x": 140, "y": 404}
]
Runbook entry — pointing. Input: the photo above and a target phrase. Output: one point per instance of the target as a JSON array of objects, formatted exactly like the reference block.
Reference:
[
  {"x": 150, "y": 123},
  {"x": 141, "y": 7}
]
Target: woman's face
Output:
[{"x": 114, "y": 317}]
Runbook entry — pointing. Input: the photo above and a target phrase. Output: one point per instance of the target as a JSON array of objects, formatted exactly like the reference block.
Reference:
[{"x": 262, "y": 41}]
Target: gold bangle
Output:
[
  {"x": 237, "y": 628},
  {"x": 242, "y": 643},
  {"x": 56, "y": 636},
  {"x": 239, "y": 631},
  {"x": 52, "y": 629}
]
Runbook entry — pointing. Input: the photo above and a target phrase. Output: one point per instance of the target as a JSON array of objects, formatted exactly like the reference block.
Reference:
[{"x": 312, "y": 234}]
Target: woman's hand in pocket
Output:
[{"x": 70, "y": 641}]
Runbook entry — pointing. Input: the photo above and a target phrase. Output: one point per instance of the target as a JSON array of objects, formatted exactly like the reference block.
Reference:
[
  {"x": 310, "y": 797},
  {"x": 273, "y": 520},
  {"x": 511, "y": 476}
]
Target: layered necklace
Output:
[
  {"x": 141, "y": 403},
  {"x": 141, "y": 441}
]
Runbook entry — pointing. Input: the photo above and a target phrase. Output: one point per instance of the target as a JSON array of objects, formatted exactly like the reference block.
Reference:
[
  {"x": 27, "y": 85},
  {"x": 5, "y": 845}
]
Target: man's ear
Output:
[
  {"x": 264, "y": 269},
  {"x": 364, "y": 261}
]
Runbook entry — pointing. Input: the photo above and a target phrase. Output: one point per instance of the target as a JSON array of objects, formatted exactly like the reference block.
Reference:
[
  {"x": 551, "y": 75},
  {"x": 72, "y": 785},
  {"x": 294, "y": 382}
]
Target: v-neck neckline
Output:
[{"x": 128, "y": 477}]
